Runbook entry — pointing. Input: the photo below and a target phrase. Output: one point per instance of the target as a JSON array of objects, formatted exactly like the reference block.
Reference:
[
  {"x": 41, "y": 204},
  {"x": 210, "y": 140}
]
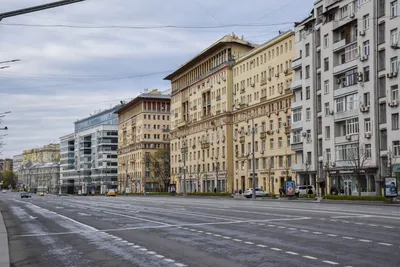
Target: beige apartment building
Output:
[
  {"x": 47, "y": 153},
  {"x": 262, "y": 99},
  {"x": 143, "y": 129},
  {"x": 201, "y": 118}
]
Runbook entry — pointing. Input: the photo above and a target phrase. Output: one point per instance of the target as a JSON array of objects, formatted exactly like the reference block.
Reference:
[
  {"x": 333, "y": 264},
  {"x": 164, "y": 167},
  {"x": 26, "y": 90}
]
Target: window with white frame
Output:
[
  {"x": 280, "y": 143},
  {"x": 366, "y": 48},
  {"x": 394, "y": 64},
  {"x": 394, "y": 12},
  {"x": 366, "y": 99},
  {"x": 350, "y": 53},
  {"x": 395, "y": 121},
  {"x": 362, "y": 2},
  {"x": 368, "y": 152},
  {"x": 339, "y": 104},
  {"x": 351, "y": 102},
  {"x": 366, "y": 22},
  {"x": 396, "y": 148},
  {"x": 347, "y": 152},
  {"x": 367, "y": 125},
  {"x": 326, "y": 41},
  {"x": 326, "y": 87},
  {"x": 328, "y": 155},
  {"x": 394, "y": 37},
  {"x": 394, "y": 92},
  {"x": 327, "y": 109},
  {"x": 352, "y": 126},
  {"x": 296, "y": 136},
  {"x": 271, "y": 125},
  {"x": 327, "y": 132},
  {"x": 296, "y": 115},
  {"x": 308, "y": 114},
  {"x": 343, "y": 12}
]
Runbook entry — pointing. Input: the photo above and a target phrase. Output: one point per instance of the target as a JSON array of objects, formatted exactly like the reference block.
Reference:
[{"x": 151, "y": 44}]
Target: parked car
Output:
[
  {"x": 111, "y": 193},
  {"x": 41, "y": 194},
  {"x": 259, "y": 193},
  {"x": 26, "y": 195},
  {"x": 4, "y": 191},
  {"x": 303, "y": 189}
]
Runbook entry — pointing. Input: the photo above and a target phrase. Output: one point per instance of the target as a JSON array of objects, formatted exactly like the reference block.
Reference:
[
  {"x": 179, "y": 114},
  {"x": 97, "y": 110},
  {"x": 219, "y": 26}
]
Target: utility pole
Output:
[
  {"x": 253, "y": 158},
  {"x": 32, "y": 9}
]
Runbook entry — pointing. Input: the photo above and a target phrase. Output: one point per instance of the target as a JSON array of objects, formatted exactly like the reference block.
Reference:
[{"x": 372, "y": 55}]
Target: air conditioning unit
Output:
[
  {"x": 362, "y": 33},
  {"x": 395, "y": 103},
  {"x": 338, "y": 81},
  {"x": 331, "y": 112},
  {"x": 304, "y": 134},
  {"x": 364, "y": 108},
  {"x": 348, "y": 137},
  {"x": 277, "y": 75},
  {"x": 389, "y": 75},
  {"x": 284, "y": 124},
  {"x": 269, "y": 78},
  {"x": 285, "y": 72},
  {"x": 218, "y": 81},
  {"x": 363, "y": 58},
  {"x": 368, "y": 135},
  {"x": 352, "y": 15},
  {"x": 253, "y": 85},
  {"x": 395, "y": 45}
]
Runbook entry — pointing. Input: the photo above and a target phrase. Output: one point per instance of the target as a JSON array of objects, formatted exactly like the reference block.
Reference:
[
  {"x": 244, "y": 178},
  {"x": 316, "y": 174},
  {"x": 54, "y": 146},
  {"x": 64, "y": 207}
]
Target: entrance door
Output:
[{"x": 347, "y": 187}]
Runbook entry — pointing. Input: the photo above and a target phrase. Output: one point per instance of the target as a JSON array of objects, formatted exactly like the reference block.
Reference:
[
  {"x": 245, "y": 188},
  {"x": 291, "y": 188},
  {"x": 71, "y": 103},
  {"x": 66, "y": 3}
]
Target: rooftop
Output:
[{"x": 154, "y": 94}]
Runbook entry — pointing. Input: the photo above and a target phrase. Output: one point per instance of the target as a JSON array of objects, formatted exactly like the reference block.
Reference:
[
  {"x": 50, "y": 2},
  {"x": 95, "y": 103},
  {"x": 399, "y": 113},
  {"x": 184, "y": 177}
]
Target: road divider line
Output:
[
  {"x": 309, "y": 257},
  {"x": 331, "y": 262}
]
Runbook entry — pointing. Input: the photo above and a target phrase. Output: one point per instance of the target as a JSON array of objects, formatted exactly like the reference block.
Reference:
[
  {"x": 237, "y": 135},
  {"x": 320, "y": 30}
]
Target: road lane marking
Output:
[
  {"x": 136, "y": 218},
  {"x": 348, "y": 237},
  {"x": 305, "y": 231},
  {"x": 282, "y": 227},
  {"x": 276, "y": 249},
  {"x": 237, "y": 240},
  {"x": 261, "y": 246},
  {"x": 226, "y": 237},
  {"x": 365, "y": 240},
  {"x": 388, "y": 227},
  {"x": 331, "y": 262},
  {"x": 291, "y": 228},
  {"x": 331, "y": 235},
  {"x": 317, "y": 233},
  {"x": 143, "y": 249},
  {"x": 217, "y": 235},
  {"x": 180, "y": 264},
  {"x": 292, "y": 253},
  {"x": 169, "y": 260},
  {"x": 151, "y": 252},
  {"x": 309, "y": 257},
  {"x": 250, "y": 243},
  {"x": 159, "y": 256},
  {"x": 385, "y": 244}
]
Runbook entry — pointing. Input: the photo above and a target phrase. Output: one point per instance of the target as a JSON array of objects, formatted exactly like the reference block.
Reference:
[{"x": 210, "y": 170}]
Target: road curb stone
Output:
[{"x": 4, "y": 251}]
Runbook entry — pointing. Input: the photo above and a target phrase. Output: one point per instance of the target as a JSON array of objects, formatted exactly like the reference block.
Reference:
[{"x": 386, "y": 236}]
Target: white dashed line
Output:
[
  {"x": 193, "y": 230},
  {"x": 143, "y": 249},
  {"x": 169, "y": 260},
  {"x": 226, "y": 237},
  {"x": 216, "y": 235},
  {"x": 151, "y": 252},
  {"x": 250, "y": 243},
  {"x": 261, "y": 246},
  {"x": 159, "y": 256},
  {"x": 331, "y": 262},
  {"x": 291, "y": 253},
  {"x": 180, "y": 264},
  {"x": 358, "y": 223},
  {"x": 271, "y": 225},
  {"x": 333, "y": 220},
  {"x": 305, "y": 231},
  {"x": 130, "y": 244},
  {"x": 261, "y": 224},
  {"x": 208, "y": 233},
  {"x": 276, "y": 249},
  {"x": 200, "y": 231},
  {"x": 291, "y": 228},
  {"x": 388, "y": 227},
  {"x": 317, "y": 233},
  {"x": 345, "y": 221},
  {"x": 281, "y": 227},
  {"x": 348, "y": 237},
  {"x": 365, "y": 240},
  {"x": 124, "y": 241},
  {"x": 331, "y": 235},
  {"x": 372, "y": 225},
  {"x": 310, "y": 257},
  {"x": 385, "y": 244},
  {"x": 136, "y": 246},
  {"x": 237, "y": 240}
]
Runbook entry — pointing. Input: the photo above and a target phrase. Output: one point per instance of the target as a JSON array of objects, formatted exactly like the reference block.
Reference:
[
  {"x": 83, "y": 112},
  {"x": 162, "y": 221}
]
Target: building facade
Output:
[
  {"x": 41, "y": 177},
  {"x": 47, "y": 153},
  {"x": 144, "y": 125},
  {"x": 262, "y": 101},
  {"x": 345, "y": 114},
  {"x": 89, "y": 155},
  {"x": 202, "y": 155},
  {"x": 18, "y": 161},
  {"x": 6, "y": 165}
]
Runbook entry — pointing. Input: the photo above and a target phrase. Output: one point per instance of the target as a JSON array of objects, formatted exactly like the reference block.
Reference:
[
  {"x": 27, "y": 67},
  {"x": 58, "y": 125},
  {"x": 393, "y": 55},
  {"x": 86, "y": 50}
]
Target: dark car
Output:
[{"x": 25, "y": 195}]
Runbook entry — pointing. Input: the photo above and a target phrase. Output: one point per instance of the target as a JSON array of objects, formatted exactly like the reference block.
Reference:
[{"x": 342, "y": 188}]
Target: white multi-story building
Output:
[
  {"x": 345, "y": 112},
  {"x": 89, "y": 159}
]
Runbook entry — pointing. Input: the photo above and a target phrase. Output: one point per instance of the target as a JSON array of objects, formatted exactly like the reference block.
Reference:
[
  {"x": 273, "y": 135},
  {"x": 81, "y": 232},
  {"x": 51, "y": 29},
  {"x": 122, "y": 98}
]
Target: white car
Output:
[
  {"x": 303, "y": 190},
  {"x": 4, "y": 191},
  {"x": 259, "y": 193}
]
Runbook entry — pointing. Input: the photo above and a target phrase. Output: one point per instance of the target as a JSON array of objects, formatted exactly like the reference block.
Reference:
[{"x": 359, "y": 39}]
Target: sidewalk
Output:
[{"x": 4, "y": 253}]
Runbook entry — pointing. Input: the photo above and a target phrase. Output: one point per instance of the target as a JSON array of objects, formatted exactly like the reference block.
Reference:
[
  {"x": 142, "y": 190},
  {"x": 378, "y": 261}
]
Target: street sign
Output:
[
  {"x": 391, "y": 187},
  {"x": 290, "y": 187}
]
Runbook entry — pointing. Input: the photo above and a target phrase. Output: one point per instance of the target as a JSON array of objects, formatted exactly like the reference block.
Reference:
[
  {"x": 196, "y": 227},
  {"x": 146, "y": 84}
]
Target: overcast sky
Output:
[{"x": 66, "y": 73}]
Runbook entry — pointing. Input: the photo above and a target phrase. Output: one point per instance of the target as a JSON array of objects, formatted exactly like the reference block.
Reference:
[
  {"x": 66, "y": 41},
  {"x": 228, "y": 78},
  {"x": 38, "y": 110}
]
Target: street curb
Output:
[{"x": 4, "y": 251}]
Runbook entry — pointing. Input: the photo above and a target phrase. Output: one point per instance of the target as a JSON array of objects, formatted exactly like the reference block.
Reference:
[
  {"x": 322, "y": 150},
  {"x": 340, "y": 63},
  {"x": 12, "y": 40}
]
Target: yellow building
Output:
[
  {"x": 143, "y": 129},
  {"x": 201, "y": 118},
  {"x": 48, "y": 153},
  {"x": 262, "y": 98}
]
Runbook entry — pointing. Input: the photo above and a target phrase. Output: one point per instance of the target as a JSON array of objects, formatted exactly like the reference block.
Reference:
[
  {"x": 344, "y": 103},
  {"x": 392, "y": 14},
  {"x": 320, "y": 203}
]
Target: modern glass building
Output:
[{"x": 89, "y": 158}]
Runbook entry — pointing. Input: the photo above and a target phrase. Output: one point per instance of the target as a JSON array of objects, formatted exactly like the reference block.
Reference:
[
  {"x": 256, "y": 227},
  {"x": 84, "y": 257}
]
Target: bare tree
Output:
[
  {"x": 391, "y": 161},
  {"x": 358, "y": 159},
  {"x": 160, "y": 166}
]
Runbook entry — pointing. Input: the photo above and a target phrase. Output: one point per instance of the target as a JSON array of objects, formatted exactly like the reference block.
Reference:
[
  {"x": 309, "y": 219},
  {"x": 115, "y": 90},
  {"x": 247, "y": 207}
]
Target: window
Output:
[
  {"x": 366, "y": 48},
  {"x": 343, "y": 12},
  {"x": 395, "y": 121},
  {"x": 352, "y": 126},
  {"x": 346, "y": 152},
  {"x": 394, "y": 64},
  {"x": 308, "y": 92},
  {"x": 382, "y": 86},
  {"x": 327, "y": 132},
  {"x": 271, "y": 143},
  {"x": 307, "y": 71},
  {"x": 394, "y": 91},
  {"x": 280, "y": 143},
  {"x": 396, "y": 148},
  {"x": 296, "y": 136},
  {"x": 366, "y": 99},
  {"x": 340, "y": 104},
  {"x": 350, "y": 53},
  {"x": 381, "y": 33},
  {"x": 382, "y": 113},
  {"x": 308, "y": 135},
  {"x": 328, "y": 154},
  {"x": 280, "y": 161},
  {"x": 381, "y": 8},
  {"x": 326, "y": 41},
  {"x": 326, "y": 87},
  {"x": 366, "y": 22},
  {"x": 367, "y": 125},
  {"x": 296, "y": 115},
  {"x": 327, "y": 109},
  {"x": 280, "y": 123},
  {"x": 394, "y": 37},
  {"x": 308, "y": 114},
  {"x": 366, "y": 74},
  {"x": 346, "y": 103},
  {"x": 271, "y": 125},
  {"x": 326, "y": 64},
  {"x": 368, "y": 153},
  {"x": 394, "y": 9},
  {"x": 307, "y": 50}
]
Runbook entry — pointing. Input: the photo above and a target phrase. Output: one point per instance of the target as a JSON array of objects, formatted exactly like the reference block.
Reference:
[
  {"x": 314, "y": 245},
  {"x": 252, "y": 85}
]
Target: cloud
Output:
[{"x": 66, "y": 73}]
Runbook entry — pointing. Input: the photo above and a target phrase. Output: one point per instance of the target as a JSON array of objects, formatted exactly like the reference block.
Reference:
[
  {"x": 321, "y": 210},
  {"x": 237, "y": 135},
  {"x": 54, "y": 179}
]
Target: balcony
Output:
[
  {"x": 297, "y": 146},
  {"x": 297, "y": 124},
  {"x": 264, "y": 98},
  {"x": 297, "y": 104},
  {"x": 242, "y": 139},
  {"x": 345, "y": 90},
  {"x": 298, "y": 167},
  {"x": 297, "y": 84},
  {"x": 263, "y": 82},
  {"x": 345, "y": 66},
  {"x": 205, "y": 145},
  {"x": 339, "y": 45},
  {"x": 288, "y": 129},
  {"x": 346, "y": 114},
  {"x": 263, "y": 135},
  {"x": 218, "y": 97},
  {"x": 181, "y": 123},
  {"x": 296, "y": 63}
]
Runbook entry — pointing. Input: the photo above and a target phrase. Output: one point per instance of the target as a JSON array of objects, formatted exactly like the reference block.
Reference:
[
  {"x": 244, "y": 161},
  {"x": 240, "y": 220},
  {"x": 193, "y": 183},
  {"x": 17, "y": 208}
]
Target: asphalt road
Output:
[{"x": 167, "y": 231}]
